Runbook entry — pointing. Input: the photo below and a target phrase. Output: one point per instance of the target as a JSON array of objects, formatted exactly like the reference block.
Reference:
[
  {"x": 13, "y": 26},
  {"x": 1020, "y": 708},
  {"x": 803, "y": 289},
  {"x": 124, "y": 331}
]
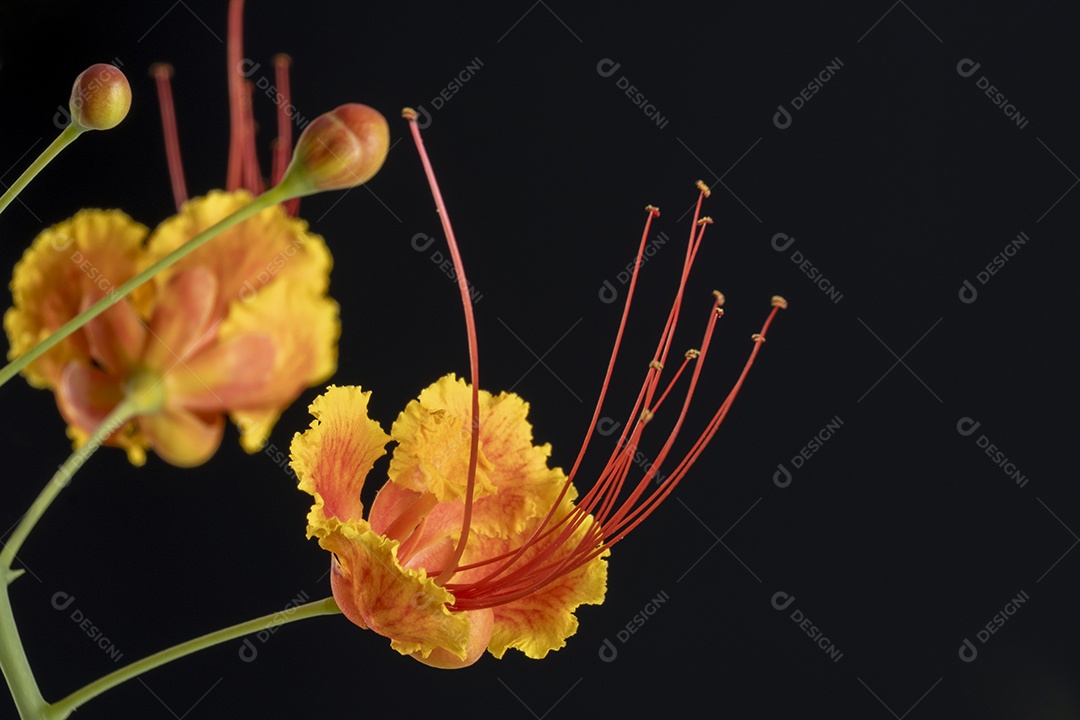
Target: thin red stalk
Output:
[
  {"x": 541, "y": 528},
  {"x": 474, "y": 362},
  {"x": 283, "y": 145},
  {"x": 234, "y": 56},
  {"x": 162, "y": 72},
  {"x": 662, "y": 455},
  {"x": 608, "y": 487},
  {"x": 284, "y": 122},
  {"x": 632, "y": 520},
  {"x": 253, "y": 181}
]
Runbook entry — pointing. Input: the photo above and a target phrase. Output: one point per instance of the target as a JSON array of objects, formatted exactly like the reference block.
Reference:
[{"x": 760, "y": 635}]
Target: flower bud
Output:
[
  {"x": 100, "y": 98},
  {"x": 339, "y": 149}
]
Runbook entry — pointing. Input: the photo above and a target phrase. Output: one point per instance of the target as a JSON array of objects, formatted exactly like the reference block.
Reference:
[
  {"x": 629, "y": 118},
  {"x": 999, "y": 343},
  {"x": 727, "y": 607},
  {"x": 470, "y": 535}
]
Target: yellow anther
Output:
[
  {"x": 758, "y": 338},
  {"x": 704, "y": 188},
  {"x": 705, "y": 221},
  {"x": 656, "y": 365},
  {"x": 652, "y": 210},
  {"x": 778, "y": 301},
  {"x": 409, "y": 114},
  {"x": 692, "y": 354},
  {"x": 720, "y": 299},
  {"x": 646, "y": 416}
]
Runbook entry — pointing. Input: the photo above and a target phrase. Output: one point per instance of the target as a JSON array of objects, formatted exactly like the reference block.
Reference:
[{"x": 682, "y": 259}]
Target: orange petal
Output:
[
  {"x": 481, "y": 623},
  {"x": 228, "y": 375},
  {"x": 95, "y": 251},
  {"x": 183, "y": 438},
  {"x": 182, "y": 320},
  {"x": 375, "y": 592},
  {"x": 85, "y": 396},
  {"x": 116, "y": 337},
  {"x": 334, "y": 455},
  {"x": 303, "y": 329}
]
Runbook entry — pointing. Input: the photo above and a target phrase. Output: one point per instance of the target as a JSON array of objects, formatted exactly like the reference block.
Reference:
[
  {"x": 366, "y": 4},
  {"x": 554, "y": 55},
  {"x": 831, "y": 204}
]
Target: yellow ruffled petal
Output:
[
  {"x": 435, "y": 442},
  {"x": 332, "y": 458},
  {"x": 514, "y": 482},
  {"x": 90, "y": 254},
  {"x": 246, "y": 258},
  {"x": 375, "y": 592},
  {"x": 272, "y": 276}
]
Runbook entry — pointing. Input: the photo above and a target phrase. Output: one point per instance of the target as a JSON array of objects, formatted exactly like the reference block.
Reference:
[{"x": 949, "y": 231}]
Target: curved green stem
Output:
[
  {"x": 62, "y": 708},
  {"x": 13, "y": 660},
  {"x": 123, "y": 412},
  {"x": 65, "y": 138},
  {"x": 286, "y": 190}
]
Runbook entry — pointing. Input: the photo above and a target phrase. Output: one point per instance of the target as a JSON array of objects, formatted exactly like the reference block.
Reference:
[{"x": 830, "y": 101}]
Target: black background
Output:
[{"x": 899, "y": 180}]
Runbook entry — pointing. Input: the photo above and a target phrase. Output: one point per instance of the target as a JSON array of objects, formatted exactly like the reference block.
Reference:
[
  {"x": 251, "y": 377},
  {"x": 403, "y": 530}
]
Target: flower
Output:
[
  {"x": 475, "y": 542},
  {"x": 387, "y": 567},
  {"x": 240, "y": 327}
]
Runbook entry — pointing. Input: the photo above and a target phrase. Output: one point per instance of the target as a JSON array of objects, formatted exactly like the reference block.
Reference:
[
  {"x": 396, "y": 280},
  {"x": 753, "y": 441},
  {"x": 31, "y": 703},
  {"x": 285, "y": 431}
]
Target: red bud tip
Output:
[
  {"x": 340, "y": 149},
  {"x": 100, "y": 98}
]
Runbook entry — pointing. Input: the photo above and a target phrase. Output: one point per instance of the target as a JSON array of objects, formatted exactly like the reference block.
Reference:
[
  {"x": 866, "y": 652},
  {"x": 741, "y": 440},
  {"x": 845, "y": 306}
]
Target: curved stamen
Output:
[
  {"x": 474, "y": 362},
  {"x": 234, "y": 57},
  {"x": 162, "y": 73}
]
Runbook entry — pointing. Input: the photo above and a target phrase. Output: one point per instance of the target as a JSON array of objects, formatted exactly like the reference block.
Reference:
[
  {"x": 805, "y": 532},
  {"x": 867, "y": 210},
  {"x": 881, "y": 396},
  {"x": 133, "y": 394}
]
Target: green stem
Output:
[
  {"x": 285, "y": 190},
  {"x": 65, "y": 138},
  {"x": 123, "y": 412},
  {"x": 62, "y": 708},
  {"x": 13, "y": 661}
]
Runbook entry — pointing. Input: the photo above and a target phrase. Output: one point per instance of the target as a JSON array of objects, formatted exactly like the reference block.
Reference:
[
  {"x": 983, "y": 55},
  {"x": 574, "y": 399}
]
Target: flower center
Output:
[{"x": 146, "y": 390}]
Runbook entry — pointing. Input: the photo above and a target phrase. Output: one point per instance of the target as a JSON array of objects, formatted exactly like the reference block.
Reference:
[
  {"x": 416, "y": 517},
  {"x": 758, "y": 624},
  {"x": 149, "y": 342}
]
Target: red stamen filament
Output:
[
  {"x": 161, "y": 73},
  {"x": 283, "y": 144},
  {"x": 234, "y": 56},
  {"x": 474, "y": 361},
  {"x": 253, "y": 181},
  {"x": 511, "y": 578}
]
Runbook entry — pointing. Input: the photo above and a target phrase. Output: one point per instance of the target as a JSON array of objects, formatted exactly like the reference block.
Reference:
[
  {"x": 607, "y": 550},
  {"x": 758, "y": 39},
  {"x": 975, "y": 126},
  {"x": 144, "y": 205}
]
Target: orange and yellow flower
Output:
[
  {"x": 391, "y": 570},
  {"x": 475, "y": 543},
  {"x": 239, "y": 327}
]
